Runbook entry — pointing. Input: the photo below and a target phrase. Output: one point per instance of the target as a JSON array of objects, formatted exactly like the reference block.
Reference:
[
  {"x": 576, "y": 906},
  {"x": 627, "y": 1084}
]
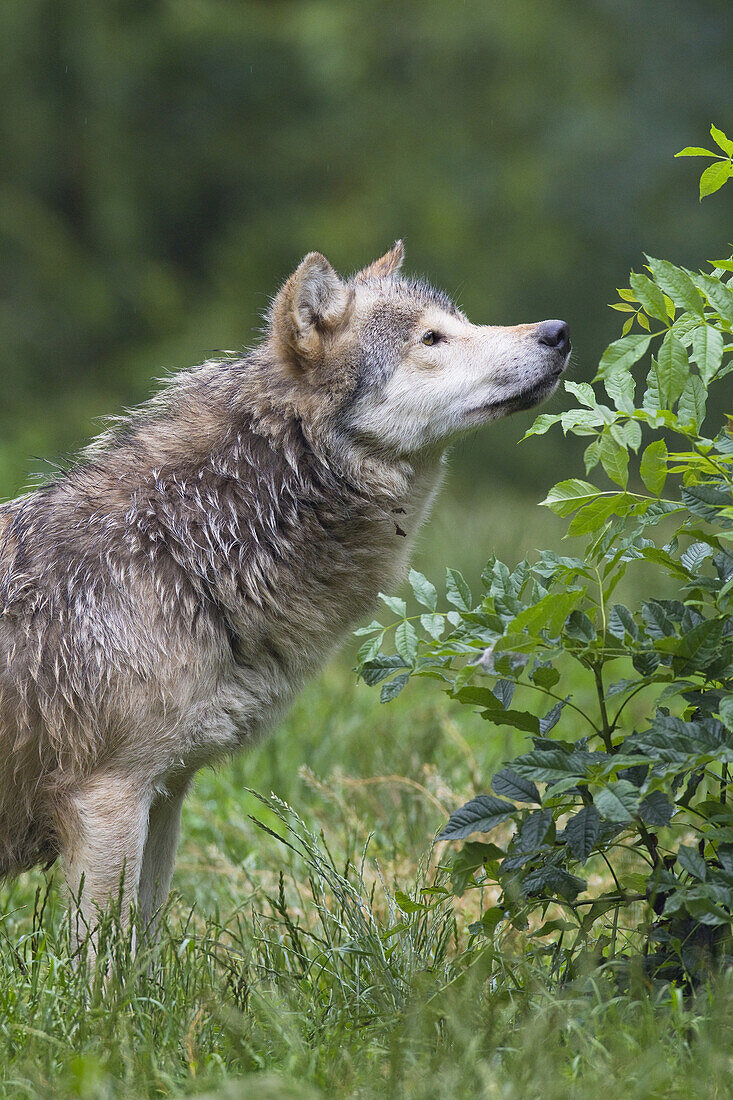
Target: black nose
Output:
[{"x": 555, "y": 334}]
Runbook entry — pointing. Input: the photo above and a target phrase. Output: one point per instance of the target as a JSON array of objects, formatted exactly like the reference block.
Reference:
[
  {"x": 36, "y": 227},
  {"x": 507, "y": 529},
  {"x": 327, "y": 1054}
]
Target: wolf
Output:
[{"x": 165, "y": 596}]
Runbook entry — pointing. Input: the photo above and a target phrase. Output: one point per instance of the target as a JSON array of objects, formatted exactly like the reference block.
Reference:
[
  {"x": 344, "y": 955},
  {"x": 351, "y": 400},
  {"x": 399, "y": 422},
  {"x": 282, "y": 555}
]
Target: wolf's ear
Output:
[
  {"x": 313, "y": 300},
  {"x": 386, "y": 265}
]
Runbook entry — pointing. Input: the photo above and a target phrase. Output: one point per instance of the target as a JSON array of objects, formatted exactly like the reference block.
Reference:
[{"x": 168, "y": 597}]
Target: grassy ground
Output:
[{"x": 286, "y": 969}]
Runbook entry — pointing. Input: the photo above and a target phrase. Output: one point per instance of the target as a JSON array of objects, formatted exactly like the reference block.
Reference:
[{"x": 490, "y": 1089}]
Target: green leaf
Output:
[
  {"x": 725, "y": 711},
  {"x": 480, "y": 815},
  {"x": 707, "y": 350},
  {"x": 487, "y": 925},
  {"x": 691, "y": 861},
  {"x": 645, "y": 662},
  {"x": 614, "y": 459},
  {"x": 542, "y": 423},
  {"x": 620, "y": 385},
  {"x": 507, "y": 783},
  {"x": 580, "y": 627},
  {"x": 534, "y": 830},
  {"x": 582, "y": 832},
  {"x": 705, "y": 501},
  {"x": 405, "y": 640},
  {"x": 619, "y": 687},
  {"x": 651, "y": 400},
  {"x": 434, "y": 625},
  {"x": 457, "y": 591},
  {"x": 552, "y": 765},
  {"x": 702, "y": 906},
  {"x": 550, "y": 720},
  {"x": 551, "y": 926},
  {"x": 553, "y": 880},
  {"x": 548, "y": 614},
  {"x": 691, "y": 408},
  {"x": 714, "y": 177},
  {"x": 718, "y": 295},
  {"x": 395, "y": 604},
  {"x": 472, "y": 695},
  {"x": 425, "y": 592},
  {"x": 621, "y": 622},
  {"x": 687, "y": 324},
  {"x": 618, "y": 801},
  {"x": 677, "y": 284},
  {"x": 622, "y": 354},
  {"x": 545, "y": 677},
  {"x": 517, "y": 719},
  {"x": 407, "y": 905},
  {"x": 650, "y": 296},
  {"x": 369, "y": 649},
  {"x": 700, "y": 645},
  {"x": 582, "y": 421},
  {"x": 380, "y": 667},
  {"x": 695, "y": 151},
  {"x": 469, "y": 859},
  {"x": 665, "y": 559},
  {"x": 673, "y": 741},
  {"x": 592, "y": 455},
  {"x": 370, "y": 629},
  {"x": 695, "y": 556},
  {"x": 392, "y": 688},
  {"x": 656, "y": 809},
  {"x": 656, "y": 620},
  {"x": 566, "y": 496},
  {"x": 720, "y": 138},
  {"x": 673, "y": 369},
  {"x": 629, "y": 434},
  {"x": 584, "y": 393}
]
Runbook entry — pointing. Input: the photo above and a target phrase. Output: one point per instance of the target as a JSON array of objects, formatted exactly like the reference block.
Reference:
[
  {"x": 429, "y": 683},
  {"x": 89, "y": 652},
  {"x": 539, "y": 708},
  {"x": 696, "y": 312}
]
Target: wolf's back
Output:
[{"x": 26, "y": 837}]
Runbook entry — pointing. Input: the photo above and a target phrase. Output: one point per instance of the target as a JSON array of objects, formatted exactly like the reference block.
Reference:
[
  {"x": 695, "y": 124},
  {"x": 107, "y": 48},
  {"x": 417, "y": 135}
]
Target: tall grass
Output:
[
  {"x": 286, "y": 967},
  {"x": 320, "y": 986}
]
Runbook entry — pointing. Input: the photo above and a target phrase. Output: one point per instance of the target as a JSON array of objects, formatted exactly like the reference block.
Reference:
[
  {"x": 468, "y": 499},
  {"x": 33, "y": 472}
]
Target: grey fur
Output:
[{"x": 162, "y": 600}]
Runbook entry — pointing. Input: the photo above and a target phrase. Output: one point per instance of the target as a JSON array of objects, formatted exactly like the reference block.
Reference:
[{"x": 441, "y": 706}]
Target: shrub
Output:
[{"x": 642, "y": 809}]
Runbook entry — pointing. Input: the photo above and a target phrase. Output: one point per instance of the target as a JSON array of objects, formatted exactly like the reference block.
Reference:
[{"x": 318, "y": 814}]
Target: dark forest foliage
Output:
[{"x": 166, "y": 164}]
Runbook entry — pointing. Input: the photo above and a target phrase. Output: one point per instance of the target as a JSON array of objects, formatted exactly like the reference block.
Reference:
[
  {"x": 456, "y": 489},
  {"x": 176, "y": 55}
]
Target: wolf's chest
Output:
[
  {"x": 303, "y": 601},
  {"x": 272, "y": 659}
]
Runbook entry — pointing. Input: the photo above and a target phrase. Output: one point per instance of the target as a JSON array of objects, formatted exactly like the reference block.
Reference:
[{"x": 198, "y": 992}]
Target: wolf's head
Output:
[{"x": 395, "y": 365}]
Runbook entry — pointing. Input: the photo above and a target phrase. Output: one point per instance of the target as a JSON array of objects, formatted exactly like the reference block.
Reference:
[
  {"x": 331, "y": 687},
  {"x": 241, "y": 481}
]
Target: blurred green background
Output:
[{"x": 166, "y": 163}]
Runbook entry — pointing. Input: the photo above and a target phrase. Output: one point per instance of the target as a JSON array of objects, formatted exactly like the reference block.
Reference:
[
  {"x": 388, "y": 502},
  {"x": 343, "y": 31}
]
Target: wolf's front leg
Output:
[
  {"x": 160, "y": 854},
  {"x": 102, "y": 843}
]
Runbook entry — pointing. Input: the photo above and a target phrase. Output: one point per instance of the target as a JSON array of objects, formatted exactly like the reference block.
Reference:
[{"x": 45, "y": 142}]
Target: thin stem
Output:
[
  {"x": 560, "y": 699},
  {"x": 613, "y": 873},
  {"x": 628, "y": 699},
  {"x": 602, "y": 603},
  {"x": 624, "y": 898},
  {"x": 650, "y": 842},
  {"x": 719, "y": 469},
  {"x": 614, "y": 931},
  {"x": 605, "y": 732}
]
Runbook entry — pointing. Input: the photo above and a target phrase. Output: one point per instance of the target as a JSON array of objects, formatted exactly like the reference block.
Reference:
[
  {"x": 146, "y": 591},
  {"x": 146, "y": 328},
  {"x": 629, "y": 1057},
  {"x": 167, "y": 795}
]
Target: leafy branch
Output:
[{"x": 638, "y": 796}]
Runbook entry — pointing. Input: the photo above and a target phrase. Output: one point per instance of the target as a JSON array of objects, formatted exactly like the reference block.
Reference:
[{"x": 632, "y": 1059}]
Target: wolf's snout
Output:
[{"x": 554, "y": 334}]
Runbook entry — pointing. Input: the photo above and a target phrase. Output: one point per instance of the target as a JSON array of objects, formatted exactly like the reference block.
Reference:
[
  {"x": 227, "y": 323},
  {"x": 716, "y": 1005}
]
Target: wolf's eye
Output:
[{"x": 430, "y": 338}]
